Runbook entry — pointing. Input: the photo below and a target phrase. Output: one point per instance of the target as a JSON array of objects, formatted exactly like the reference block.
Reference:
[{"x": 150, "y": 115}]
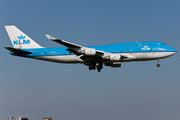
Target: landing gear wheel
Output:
[
  {"x": 94, "y": 66},
  {"x": 158, "y": 65},
  {"x": 90, "y": 68},
  {"x": 99, "y": 70}
]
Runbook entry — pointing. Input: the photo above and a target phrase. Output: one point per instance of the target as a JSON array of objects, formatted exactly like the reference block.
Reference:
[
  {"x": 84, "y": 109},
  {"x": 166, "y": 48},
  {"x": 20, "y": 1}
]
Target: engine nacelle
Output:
[
  {"x": 90, "y": 52},
  {"x": 115, "y": 64},
  {"x": 114, "y": 57}
]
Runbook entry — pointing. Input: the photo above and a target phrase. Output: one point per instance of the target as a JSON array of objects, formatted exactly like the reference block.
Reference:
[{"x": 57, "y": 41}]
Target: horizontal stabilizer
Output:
[{"x": 18, "y": 50}]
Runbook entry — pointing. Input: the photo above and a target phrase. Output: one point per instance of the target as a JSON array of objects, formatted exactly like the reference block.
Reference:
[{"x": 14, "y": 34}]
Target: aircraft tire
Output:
[
  {"x": 94, "y": 67},
  {"x": 90, "y": 68},
  {"x": 158, "y": 65}
]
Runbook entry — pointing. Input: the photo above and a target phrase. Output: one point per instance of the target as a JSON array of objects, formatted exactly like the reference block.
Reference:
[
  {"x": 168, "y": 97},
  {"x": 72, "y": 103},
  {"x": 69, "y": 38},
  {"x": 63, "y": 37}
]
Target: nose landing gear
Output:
[{"x": 158, "y": 64}]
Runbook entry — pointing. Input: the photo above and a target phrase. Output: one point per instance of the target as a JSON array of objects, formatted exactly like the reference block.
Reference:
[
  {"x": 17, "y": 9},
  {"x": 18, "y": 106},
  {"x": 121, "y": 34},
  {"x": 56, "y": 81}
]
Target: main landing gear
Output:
[
  {"x": 158, "y": 64},
  {"x": 99, "y": 66}
]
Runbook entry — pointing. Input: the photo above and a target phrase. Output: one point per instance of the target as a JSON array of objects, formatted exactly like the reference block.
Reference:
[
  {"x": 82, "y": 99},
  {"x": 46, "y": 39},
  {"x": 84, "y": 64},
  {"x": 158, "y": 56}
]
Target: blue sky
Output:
[{"x": 137, "y": 90}]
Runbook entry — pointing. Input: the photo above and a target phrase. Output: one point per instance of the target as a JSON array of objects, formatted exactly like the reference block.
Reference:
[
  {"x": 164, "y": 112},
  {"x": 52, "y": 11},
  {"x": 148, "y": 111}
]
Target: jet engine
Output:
[
  {"x": 114, "y": 57},
  {"x": 90, "y": 52}
]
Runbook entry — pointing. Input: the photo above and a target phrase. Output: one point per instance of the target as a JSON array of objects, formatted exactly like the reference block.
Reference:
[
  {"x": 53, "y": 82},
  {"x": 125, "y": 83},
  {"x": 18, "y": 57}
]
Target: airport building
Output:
[
  {"x": 12, "y": 118},
  {"x": 17, "y": 118},
  {"x": 47, "y": 118}
]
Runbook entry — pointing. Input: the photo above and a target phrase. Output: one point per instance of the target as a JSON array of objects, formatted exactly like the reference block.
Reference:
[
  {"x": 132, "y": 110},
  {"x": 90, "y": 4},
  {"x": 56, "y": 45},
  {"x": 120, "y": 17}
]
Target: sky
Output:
[{"x": 137, "y": 90}]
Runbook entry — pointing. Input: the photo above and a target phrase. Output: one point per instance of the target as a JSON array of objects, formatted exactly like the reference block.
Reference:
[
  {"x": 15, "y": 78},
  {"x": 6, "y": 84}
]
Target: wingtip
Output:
[
  {"x": 49, "y": 37},
  {"x": 6, "y": 47}
]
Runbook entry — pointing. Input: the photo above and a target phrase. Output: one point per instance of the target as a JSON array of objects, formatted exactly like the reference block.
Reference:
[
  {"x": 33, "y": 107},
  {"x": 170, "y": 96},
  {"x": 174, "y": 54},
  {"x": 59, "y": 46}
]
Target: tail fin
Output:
[{"x": 20, "y": 39}]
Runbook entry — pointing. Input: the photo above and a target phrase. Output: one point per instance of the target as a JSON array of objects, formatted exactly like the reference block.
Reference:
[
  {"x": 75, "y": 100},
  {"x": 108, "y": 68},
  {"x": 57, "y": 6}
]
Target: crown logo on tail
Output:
[{"x": 21, "y": 37}]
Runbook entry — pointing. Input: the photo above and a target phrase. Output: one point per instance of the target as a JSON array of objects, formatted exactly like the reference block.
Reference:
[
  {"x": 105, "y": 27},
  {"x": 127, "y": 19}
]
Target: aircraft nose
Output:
[{"x": 174, "y": 51}]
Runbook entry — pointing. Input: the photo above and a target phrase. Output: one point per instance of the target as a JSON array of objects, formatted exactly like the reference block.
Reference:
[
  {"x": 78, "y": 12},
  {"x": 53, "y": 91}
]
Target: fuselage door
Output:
[
  {"x": 41, "y": 53},
  {"x": 130, "y": 51},
  {"x": 154, "y": 50}
]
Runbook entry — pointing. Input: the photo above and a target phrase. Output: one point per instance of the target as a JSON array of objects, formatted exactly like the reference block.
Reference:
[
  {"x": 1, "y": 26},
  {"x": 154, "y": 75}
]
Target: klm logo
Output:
[
  {"x": 146, "y": 48},
  {"x": 21, "y": 40}
]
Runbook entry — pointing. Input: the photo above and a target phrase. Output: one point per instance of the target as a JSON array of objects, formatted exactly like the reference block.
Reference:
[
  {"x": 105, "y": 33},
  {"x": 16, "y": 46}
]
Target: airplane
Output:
[{"x": 92, "y": 56}]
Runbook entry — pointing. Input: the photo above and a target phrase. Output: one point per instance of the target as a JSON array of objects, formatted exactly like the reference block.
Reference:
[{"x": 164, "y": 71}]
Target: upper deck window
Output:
[
  {"x": 131, "y": 45},
  {"x": 162, "y": 43},
  {"x": 146, "y": 44}
]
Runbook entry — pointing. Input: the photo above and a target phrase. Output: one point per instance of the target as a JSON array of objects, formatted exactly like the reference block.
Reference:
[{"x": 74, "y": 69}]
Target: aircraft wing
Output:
[
  {"x": 62, "y": 42},
  {"x": 73, "y": 47}
]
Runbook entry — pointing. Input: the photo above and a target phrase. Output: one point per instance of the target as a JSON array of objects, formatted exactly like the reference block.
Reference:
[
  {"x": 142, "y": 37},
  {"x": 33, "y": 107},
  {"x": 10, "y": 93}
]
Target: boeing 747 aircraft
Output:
[{"x": 93, "y": 56}]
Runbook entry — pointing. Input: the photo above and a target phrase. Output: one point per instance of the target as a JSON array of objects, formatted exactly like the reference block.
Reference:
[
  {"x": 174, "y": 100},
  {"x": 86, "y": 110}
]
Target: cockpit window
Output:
[{"x": 162, "y": 43}]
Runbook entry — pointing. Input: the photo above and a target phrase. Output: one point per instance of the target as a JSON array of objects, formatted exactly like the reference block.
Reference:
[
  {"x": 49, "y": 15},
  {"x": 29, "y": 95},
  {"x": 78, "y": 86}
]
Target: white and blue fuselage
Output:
[{"x": 137, "y": 51}]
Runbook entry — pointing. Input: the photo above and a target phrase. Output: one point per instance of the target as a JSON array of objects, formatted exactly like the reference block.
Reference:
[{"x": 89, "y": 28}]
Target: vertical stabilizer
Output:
[{"x": 20, "y": 39}]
